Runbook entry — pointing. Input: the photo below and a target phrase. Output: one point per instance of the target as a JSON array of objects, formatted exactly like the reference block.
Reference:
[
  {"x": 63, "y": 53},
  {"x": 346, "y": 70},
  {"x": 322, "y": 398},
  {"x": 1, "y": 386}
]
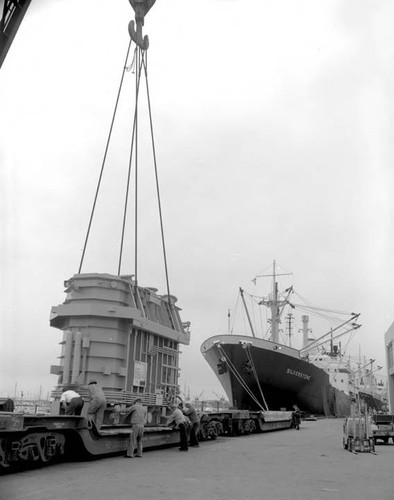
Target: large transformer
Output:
[{"x": 124, "y": 336}]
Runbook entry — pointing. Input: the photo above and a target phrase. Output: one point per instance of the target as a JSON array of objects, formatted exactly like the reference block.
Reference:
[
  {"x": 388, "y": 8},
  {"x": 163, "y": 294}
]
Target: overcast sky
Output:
[{"x": 273, "y": 125}]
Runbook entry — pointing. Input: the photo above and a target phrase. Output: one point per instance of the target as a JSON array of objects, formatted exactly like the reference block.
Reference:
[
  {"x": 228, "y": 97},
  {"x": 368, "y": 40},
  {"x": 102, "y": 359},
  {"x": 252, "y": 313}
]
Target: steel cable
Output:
[
  {"x": 145, "y": 64},
  {"x": 104, "y": 160}
]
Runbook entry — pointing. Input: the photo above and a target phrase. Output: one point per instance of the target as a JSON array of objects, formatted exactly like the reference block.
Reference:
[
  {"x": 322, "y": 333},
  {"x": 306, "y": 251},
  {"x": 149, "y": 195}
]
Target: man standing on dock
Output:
[{"x": 138, "y": 418}]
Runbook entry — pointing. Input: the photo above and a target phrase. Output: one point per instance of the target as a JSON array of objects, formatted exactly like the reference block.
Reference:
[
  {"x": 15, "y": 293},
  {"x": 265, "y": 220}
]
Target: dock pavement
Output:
[{"x": 309, "y": 464}]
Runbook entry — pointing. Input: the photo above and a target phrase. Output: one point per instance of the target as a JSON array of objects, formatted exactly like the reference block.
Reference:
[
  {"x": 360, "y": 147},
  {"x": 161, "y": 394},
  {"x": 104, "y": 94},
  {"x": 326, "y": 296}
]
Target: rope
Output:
[{"x": 104, "y": 160}]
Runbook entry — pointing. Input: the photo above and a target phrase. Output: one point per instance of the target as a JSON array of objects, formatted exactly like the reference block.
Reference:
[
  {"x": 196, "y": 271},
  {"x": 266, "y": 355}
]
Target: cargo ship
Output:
[{"x": 267, "y": 374}]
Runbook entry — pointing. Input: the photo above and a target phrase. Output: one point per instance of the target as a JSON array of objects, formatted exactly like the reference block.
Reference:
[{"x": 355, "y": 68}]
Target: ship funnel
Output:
[{"x": 305, "y": 330}]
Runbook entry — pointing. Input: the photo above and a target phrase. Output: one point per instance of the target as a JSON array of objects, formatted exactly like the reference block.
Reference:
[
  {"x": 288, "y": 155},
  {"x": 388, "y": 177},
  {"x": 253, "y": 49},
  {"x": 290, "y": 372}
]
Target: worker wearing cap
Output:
[
  {"x": 181, "y": 422},
  {"x": 138, "y": 418},
  {"x": 72, "y": 402},
  {"x": 97, "y": 405}
]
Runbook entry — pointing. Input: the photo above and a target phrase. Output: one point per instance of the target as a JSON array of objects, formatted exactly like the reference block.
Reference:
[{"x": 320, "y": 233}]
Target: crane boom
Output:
[{"x": 11, "y": 18}]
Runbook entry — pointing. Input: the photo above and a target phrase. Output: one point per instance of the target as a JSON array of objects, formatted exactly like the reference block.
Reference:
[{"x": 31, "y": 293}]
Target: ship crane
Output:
[
  {"x": 370, "y": 362},
  {"x": 11, "y": 18},
  {"x": 328, "y": 336},
  {"x": 241, "y": 292},
  {"x": 364, "y": 373},
  {"x": 378, "y": 368}
]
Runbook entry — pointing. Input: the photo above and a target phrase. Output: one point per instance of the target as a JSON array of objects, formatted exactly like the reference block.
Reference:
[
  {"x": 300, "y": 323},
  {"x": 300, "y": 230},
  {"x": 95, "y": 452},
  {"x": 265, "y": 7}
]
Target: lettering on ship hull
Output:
[{"x": 298, "y": 374}]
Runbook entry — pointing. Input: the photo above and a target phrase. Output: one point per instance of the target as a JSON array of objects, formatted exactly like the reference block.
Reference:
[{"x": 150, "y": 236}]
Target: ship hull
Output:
[{"x": 256, "y": 373}]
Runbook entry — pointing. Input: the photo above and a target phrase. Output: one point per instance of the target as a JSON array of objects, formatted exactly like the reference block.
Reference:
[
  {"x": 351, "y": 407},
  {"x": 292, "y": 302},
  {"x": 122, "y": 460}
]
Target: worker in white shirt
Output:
[{"x": 72, "y": 402}]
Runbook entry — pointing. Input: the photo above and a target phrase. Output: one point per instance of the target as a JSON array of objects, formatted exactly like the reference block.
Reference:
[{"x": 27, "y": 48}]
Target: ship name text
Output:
[{"x": 298, "y": 374}]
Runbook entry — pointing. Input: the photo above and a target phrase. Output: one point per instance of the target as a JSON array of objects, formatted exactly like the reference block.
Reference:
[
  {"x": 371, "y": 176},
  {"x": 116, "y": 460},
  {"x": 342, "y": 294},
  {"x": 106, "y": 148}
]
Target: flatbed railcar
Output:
[
  {"x": 34, "y": 440},
  {"x": 233, "y": 422}
]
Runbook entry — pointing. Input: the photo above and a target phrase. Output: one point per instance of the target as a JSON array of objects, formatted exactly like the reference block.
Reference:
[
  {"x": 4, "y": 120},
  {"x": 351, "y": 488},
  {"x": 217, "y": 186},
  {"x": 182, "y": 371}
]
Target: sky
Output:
[{"x": 273, "y": 123}]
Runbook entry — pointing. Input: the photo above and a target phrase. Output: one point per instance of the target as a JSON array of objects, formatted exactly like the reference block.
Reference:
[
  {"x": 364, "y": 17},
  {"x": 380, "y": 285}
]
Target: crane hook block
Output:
[{"x": 141, "y": 8}]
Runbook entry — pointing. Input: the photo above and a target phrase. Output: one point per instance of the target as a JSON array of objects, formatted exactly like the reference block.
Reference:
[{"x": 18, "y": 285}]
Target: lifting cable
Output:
[
  {"x": 140, "y": 58},
  {"x": 140, "y": 62},
  {"x": 239, "y": 377},
  {"x": 104, "y": 160},
  {"x": 157, "y": 180},
  {"x": 136, "y": 59}
]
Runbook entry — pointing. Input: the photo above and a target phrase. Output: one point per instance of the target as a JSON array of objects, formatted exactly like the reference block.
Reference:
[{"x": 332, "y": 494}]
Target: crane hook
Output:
[{"x": 141, "y": 8}]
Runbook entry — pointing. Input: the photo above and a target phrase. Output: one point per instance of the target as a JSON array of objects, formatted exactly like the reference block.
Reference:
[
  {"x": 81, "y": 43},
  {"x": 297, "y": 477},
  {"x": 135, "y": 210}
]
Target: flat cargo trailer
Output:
[
  {"x": 40, "y": 439},
  {"x": 32, "y": 440}
]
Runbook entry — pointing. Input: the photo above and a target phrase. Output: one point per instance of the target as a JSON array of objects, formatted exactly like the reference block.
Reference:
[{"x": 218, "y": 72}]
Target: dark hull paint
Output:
[
  {"x": 284, "y": 380},
  {"x": 372, "y": 401}
]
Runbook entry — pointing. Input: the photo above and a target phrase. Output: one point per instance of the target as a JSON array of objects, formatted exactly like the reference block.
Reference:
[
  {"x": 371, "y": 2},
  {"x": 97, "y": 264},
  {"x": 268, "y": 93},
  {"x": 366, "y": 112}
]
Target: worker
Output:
[
  {"x": 97, "y": 405},
  {"x": 180, "y": 421},
  {"x": 138, "y": 415},
  {"x": 191, "y": 413},
  {"x": 115, "y": 415},
  {"x": 71, "y": 402},
  {"x": 296, "y": 417}
]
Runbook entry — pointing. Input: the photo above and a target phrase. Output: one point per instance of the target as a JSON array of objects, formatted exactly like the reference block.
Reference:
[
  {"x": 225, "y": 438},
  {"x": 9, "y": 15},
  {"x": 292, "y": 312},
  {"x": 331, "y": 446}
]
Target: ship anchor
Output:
[{"x": 141, "y": 8}]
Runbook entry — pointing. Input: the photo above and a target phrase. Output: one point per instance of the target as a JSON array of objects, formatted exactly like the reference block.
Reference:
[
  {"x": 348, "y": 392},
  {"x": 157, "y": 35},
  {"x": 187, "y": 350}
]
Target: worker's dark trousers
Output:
[
  {"x": 74, "y": 407},
  {"x": 183, "y": 437},
  {"x": 194, "y": 434}
]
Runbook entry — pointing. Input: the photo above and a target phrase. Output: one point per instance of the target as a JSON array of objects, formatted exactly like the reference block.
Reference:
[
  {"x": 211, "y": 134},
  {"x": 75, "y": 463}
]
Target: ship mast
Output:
[
  {"x": 274, "y": 308},
  {"x": 273, "y": 302}
]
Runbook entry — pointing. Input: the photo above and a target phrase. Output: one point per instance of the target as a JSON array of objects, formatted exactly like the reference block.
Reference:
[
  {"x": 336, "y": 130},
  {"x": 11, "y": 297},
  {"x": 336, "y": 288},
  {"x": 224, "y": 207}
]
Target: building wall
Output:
[{"x": 389, "y": 344}]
